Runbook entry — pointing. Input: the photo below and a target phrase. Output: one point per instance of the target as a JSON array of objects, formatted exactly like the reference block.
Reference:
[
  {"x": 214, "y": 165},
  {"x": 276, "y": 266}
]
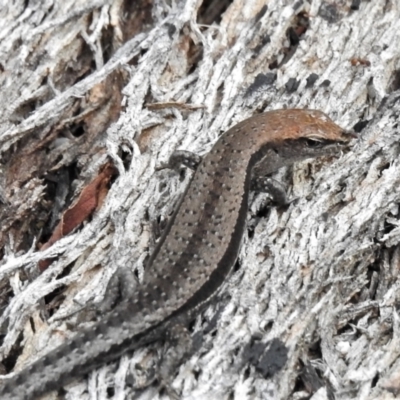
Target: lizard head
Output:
[{"x": 308, "y": 134}]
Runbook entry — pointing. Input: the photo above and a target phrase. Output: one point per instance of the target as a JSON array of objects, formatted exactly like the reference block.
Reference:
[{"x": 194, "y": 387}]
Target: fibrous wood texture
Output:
[{"x": 95, "y": 95}]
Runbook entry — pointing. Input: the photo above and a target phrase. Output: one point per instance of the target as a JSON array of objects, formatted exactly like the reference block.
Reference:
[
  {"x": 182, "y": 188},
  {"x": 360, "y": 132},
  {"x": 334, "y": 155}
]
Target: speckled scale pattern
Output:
[
  {"x": 196, "y": 254},
  {"x": 200, "y": 234}
]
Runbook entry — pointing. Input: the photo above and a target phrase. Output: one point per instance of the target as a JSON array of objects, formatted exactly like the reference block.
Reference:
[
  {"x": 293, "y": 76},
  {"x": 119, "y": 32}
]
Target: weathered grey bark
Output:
[{"x": 312, "y": 310}]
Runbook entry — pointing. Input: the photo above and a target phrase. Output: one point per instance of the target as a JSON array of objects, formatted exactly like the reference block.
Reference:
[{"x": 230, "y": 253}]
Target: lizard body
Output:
[{"x": 197, "y": 250}]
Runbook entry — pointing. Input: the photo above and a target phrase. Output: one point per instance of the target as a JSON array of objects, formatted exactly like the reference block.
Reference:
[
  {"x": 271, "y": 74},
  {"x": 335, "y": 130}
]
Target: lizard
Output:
[{"x": 197, "y": 249}]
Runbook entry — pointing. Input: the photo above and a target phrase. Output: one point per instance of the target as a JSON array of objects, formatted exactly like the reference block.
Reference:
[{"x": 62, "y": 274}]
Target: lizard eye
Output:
[{"x": 313, "y": 143}]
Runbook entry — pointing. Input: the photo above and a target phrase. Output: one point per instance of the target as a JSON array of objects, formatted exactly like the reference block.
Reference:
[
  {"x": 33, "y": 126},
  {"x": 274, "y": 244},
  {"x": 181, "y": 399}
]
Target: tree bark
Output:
[{"x": 97, "y": 95}]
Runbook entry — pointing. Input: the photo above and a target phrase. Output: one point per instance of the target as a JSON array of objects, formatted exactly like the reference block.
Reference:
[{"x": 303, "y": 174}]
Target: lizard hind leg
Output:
[
  {"x": 120, "y": 288},
  {"x": 161, "y": 364},
  {"x": 178, "y": 348}
]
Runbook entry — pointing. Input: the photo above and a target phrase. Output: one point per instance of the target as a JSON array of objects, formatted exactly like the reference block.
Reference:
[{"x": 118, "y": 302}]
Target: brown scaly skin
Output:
[{"x": 198, "y": 248}]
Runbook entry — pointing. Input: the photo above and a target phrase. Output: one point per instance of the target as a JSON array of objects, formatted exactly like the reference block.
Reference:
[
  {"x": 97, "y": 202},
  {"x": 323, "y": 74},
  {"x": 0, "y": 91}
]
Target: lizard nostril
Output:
[{"x": 352, "y": 133}]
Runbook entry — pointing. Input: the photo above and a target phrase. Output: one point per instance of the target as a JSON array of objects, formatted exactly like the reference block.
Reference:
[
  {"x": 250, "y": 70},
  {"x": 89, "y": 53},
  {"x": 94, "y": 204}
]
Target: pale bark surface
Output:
[{"x": 312, "y": 309}]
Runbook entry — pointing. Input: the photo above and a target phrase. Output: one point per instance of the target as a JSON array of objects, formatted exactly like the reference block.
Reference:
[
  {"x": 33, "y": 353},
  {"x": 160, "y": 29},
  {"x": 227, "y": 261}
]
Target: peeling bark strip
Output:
[
  {"x": 321, "y": 277},
  {"x": 90, "y": 200}
]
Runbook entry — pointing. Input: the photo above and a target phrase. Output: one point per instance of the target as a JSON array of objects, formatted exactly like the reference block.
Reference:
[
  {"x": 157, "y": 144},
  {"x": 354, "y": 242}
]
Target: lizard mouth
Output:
[{"x": 332, "y": 147}]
